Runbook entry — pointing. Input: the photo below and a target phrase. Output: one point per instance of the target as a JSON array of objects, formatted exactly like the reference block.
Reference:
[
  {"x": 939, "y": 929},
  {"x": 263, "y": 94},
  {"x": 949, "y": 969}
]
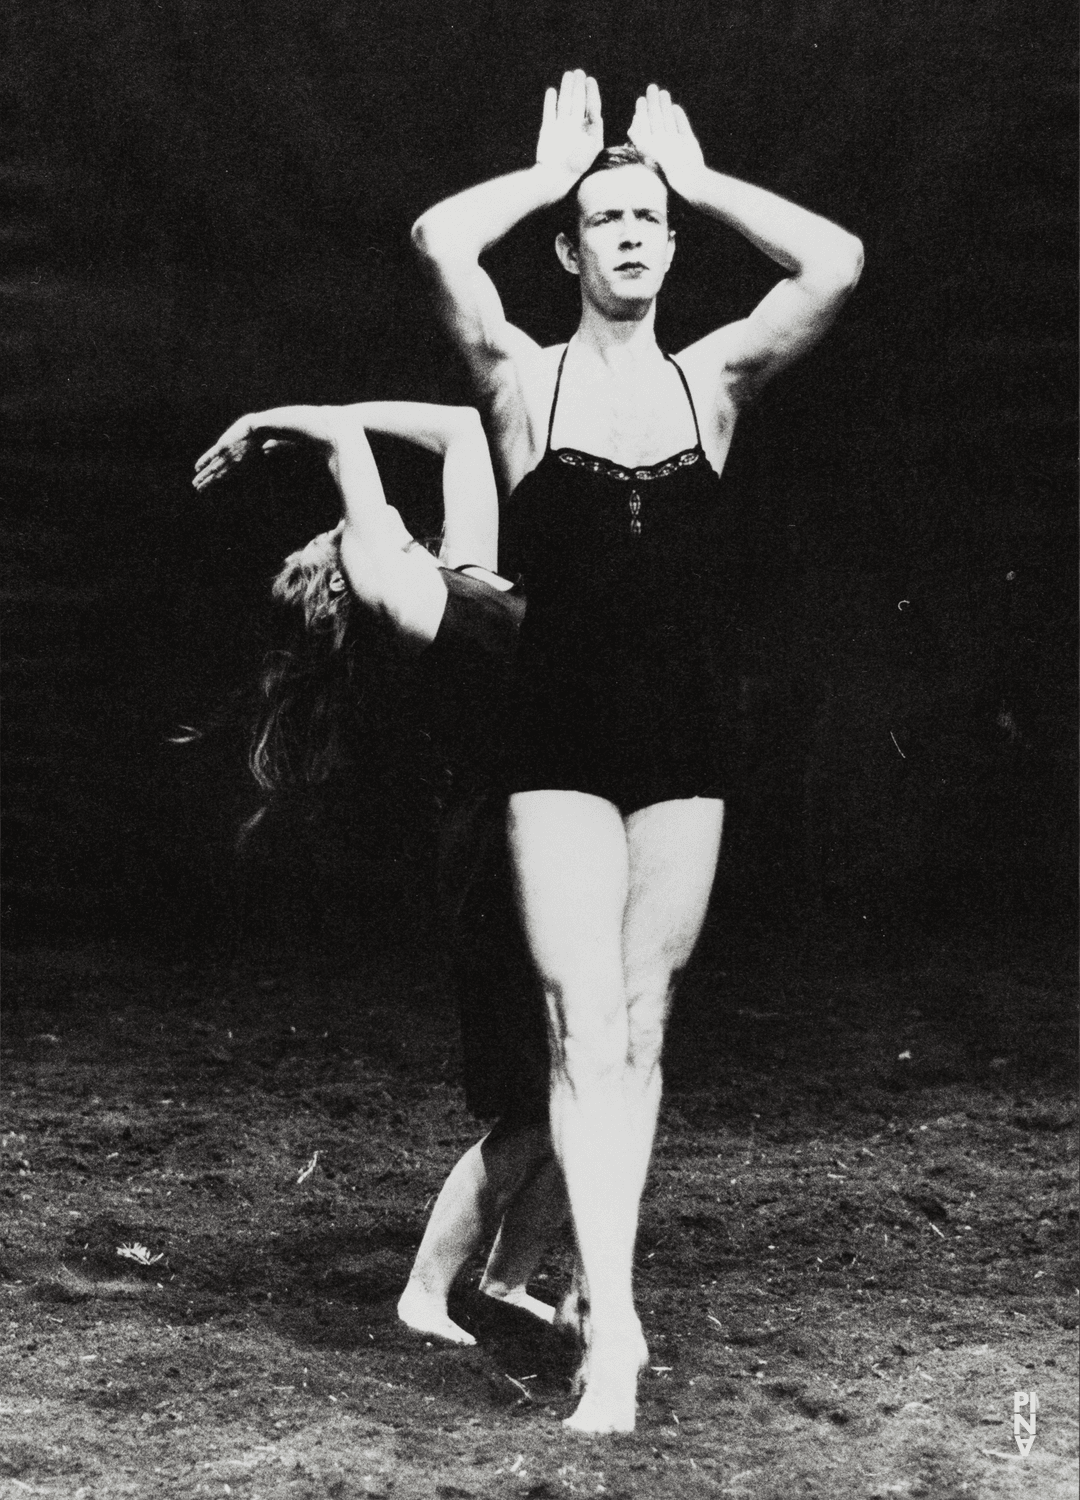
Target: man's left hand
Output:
[{"x": 661, "y": 130}]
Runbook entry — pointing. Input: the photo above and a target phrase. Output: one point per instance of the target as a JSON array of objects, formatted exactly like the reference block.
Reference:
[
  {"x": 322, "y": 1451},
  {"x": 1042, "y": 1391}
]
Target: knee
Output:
[
  {"x": 589, "y": 1031},
  {"x": 648, "y": 1003},
  {"x": 645, "y": 1047}
]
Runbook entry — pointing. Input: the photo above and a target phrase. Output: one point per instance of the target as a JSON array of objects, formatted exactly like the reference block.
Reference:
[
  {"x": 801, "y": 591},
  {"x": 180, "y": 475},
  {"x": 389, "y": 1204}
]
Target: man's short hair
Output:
[{"x": 567, "y": 212}]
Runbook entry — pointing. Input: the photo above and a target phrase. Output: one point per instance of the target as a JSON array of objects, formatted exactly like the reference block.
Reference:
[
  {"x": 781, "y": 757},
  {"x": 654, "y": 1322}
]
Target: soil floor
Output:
[{"x": 858, "y": 1242}]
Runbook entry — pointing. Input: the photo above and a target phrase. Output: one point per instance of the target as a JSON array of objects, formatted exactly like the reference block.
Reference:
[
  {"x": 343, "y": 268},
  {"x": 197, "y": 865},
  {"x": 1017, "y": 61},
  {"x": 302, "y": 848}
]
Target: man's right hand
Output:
[{"x": 572, "y": 131}]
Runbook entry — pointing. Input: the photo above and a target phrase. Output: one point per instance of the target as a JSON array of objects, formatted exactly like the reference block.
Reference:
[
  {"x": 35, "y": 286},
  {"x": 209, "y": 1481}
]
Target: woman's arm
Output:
[
  {"x": 470, "y": 502},
  {"x": 345, "y": 446},
  {"x": 470, "y": 499},
  {"x": 385, "y": 574}
]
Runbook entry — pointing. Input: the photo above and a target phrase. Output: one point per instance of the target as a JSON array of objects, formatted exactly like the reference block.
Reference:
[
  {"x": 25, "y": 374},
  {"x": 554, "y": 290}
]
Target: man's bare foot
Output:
[
  {"x": 426, "y": 1313},
  {"x": 609, "y": 1403},
  {"x": 579, "y": 1383},
  {"x": 519, "y": 1297}
]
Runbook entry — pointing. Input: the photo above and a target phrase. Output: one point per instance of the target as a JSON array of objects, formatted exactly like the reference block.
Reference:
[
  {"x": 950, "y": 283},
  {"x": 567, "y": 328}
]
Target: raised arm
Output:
[
  {"x": 470, "y": 501},
  {"x": 470, "y": 505},
  {"x": 824, "y": 262},
  {"x": 452, "y": 236},
  {"x": 368, "y": 518},
  {"x": 375, "y": 542}
]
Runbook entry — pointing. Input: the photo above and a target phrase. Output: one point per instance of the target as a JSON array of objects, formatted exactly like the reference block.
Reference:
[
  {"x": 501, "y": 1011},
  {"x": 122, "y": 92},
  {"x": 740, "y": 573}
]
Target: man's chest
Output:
[{"x": 632, "y": 419}]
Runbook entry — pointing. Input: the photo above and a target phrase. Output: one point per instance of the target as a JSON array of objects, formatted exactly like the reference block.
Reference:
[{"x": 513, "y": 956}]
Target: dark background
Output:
[{"x": 205, "y": 209}]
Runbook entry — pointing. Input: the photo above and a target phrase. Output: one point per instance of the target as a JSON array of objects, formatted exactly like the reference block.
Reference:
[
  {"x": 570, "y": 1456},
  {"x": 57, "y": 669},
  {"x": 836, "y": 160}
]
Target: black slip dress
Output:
[{"x": 626, "y": 676}]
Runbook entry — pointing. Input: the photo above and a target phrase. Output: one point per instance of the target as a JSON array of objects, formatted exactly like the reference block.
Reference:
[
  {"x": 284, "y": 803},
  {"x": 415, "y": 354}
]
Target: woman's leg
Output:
[
  {"x": 467, "y": 1211},
  {"x": 571, "y": 869},
  {"x": 530, "y": 1223}
]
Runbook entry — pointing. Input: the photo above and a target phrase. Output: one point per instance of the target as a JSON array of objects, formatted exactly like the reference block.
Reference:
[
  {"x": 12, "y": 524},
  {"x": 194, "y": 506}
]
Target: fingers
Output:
[
  {"x": 639, "y": 126},
  {"x": 663, "y": 117},
  {"x": 548, "y": 118},
  {"x": 204, "y": 459},
  {"x": 217, "y": 462},
  {"x": 578, "y": 97},
  {"x": 652, "y": 105},
  {"x": 203, "y": 477},
  {"x": 667, "y": 112},
  {"x": 593, "y": 111},
  {"x": 210, "y": 466},
  {"x": 565, "y": 106}
]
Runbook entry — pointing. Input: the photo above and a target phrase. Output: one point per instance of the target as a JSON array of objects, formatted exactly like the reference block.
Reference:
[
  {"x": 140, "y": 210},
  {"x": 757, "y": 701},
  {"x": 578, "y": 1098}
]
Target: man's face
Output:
[{"x": 624, "y": 245}]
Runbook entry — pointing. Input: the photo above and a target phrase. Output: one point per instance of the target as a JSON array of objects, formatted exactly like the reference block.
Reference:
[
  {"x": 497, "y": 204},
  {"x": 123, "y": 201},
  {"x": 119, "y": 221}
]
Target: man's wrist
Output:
[
  {"x": 691, "y": 184},
  {"x": 554, "y": 182}
]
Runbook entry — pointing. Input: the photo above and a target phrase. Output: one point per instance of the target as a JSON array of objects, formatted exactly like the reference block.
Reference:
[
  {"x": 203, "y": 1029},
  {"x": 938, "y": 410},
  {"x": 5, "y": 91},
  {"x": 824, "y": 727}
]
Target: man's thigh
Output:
[
  {"x": 569, "y": 854},
  {"x": 672, "y": 850}
]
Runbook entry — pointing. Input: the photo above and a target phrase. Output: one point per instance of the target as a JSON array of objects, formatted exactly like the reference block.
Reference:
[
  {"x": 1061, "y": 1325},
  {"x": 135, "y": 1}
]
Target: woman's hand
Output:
[
  {"x": 236, "y": 443},
  {"x": 661, "y": 130},
  {"x": 572, "y": 131}
]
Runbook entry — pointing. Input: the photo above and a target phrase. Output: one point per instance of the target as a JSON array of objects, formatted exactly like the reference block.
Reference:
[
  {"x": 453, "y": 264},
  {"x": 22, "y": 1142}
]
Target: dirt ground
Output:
[{"x": 858, "y": 1241}]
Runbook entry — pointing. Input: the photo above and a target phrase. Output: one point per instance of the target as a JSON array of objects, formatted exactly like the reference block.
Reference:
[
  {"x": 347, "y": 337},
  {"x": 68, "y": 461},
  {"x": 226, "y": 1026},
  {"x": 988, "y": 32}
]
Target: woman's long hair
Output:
[
  {"x": 307, "y": 689},
  {"x": 340, "y": 699}
]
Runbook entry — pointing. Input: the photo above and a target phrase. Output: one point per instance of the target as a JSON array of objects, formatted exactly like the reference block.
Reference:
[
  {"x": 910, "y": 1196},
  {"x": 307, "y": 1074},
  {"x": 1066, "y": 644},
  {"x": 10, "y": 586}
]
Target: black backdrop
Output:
[{"x": 205, "y": 208}]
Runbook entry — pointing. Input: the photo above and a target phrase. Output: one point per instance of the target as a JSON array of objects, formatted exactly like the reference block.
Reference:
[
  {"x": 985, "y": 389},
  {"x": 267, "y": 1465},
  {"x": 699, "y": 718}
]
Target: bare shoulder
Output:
[
  {"x": 712, "y": 374},
  {"x": 519, "y": 404},
  {"x": 711, "y": 362},
  {"x": 539, "y": 371}
]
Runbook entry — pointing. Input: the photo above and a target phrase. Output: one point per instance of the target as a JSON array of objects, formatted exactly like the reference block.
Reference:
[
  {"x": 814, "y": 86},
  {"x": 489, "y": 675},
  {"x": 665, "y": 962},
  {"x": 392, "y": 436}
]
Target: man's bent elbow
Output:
[
  {"x": 855, "y": 261},
  {"x": 849, "y": 262},
  {"x": 832, "y": 280},
  {"x": 428, "y": 242},
  {"x": 420, "y": 234}
]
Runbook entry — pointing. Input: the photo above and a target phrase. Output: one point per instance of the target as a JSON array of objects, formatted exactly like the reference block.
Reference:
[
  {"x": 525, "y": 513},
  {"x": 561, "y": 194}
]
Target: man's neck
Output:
[{"x": 618, "y": 342}]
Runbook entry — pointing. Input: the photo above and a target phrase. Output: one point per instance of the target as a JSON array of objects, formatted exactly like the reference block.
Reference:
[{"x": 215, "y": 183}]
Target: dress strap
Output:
[
  {"x": 555, "y": 397},
  {"x": 686, "y": 388}
]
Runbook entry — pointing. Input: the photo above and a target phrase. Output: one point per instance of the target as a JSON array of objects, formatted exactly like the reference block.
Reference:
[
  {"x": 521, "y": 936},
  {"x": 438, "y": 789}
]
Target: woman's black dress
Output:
[{"x": 465, "y": 682}]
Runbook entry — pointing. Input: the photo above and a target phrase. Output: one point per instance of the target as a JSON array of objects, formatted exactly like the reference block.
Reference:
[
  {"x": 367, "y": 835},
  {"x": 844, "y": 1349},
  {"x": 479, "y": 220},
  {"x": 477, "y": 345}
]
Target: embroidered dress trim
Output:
[{"x": 596, "y": 465}]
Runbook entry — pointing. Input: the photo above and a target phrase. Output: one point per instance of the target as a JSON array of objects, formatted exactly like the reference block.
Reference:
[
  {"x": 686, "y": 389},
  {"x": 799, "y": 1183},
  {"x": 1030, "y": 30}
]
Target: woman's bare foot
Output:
[
  {"x": 426, "y": 1312},
  {"x": 519, "y": 1297}
]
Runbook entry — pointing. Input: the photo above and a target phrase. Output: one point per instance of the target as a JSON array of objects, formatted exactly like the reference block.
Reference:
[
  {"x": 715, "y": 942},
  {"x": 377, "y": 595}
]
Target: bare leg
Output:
[
  {"x": 469, "y": 1207},
  {"x": 571, "y": 867},
  {"x": 572, "y": 1313},
  {"x": 673, "y": 852},
  {"x": 529, "y": 1225},
  {"x": 611, "y": 914},
  {"x": 673, "y": 848}
]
